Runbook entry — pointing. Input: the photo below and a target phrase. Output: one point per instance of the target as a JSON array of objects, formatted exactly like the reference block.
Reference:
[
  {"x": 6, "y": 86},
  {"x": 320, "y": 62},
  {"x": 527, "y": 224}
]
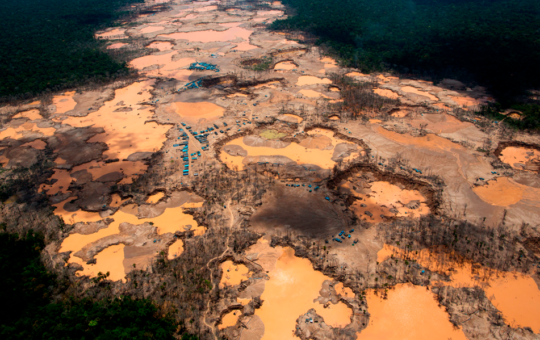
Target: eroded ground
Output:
[{"x": 333, "y": 200}]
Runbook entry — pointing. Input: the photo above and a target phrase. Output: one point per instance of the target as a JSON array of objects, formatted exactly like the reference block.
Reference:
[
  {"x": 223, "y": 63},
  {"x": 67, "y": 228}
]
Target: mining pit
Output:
[{"x": 306, "y": 216}]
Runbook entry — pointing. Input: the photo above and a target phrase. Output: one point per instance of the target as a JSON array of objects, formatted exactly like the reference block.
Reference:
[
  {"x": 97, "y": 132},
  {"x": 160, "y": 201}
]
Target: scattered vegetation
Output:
[
  {"x": 530, "y": 115},
  {"x": 490, "y": 42},
  {"x": 27, "y": 288},
  {"x": 262, "y": 64},
  {"x": 359, "y": 97},
  {"x": 49, "y": 44}
]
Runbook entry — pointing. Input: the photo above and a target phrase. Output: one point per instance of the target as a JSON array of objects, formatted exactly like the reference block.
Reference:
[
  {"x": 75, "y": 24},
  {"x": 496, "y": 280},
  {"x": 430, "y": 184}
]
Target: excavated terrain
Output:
[{"x": 310, "y": 208}]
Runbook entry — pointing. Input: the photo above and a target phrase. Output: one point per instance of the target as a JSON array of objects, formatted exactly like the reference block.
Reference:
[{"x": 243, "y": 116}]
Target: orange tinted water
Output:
[
  {"x": 414, "y": 90},
  {"x": 503, "y": 191},
  {"x": 285, "y": 65},
  {"x": 356, "y": 74},
  {"x": 310, "y": 80},
  {"x": 382, "y": 197},
  {"x": 171, "y": 220},
  {"x": 466, "y": 101},
  {"x": 517, "y": 296},
  {"x": 30, "y": 114},
  {"x": 298, "y": 119},
  {"x": 127, "y": 168},
  {"x": 233, "y": 274},
  {"x": 115, "y": 46},
  {"x": 64, "y": 103},
  {"x": 410, "y": 313},
  {"x": 386, "y": 93},
  {"x": 517, "y": 157},
  {"x": 176, "y": 249},
  {"x": 61, "y": 185},
  {"x": 162, "y": 46},
  {"x": 151, "y": 29},
  {"x": 329, "y": 62},
  {"x": 195, "y": 112},
  {"x": 294, "y": 151},
  {"x": 232, "y": 33},
  {"x": 75, "y": 217},
  {"x": 16, "y": 133},
  {"x": 166, "y": 66},
  {"x": 155, "y": 198},
  {"x": 289, "y": 293},
  {"x": 37, "y": 144},
  {"x": 386, "y": 79},
  {"x": 312, "y": 94},
  {"x": 113, "y": 34},
  {"x": 229, "y": 319},
  {"x": 344, "y": 291},
  {"x": 125, "y": 132},
  {"x": 117, "y": 201},
  {"x": 430, "y": 141},
  {"x": 108, "y": 260}
]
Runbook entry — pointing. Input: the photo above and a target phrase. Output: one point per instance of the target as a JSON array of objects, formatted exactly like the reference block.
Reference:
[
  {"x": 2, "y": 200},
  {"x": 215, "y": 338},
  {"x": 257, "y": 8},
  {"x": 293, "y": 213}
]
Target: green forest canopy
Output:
[
  {"x": 492, "y": 42},
  {"x": 49, "y": 44}
]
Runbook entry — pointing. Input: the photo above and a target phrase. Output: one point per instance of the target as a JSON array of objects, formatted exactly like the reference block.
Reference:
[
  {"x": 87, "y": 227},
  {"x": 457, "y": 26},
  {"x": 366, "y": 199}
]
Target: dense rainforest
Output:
[
  {"x": 27, "y": 289},
  {"x": 49, "y": 44},
  {"x": 494, "y": 43}
]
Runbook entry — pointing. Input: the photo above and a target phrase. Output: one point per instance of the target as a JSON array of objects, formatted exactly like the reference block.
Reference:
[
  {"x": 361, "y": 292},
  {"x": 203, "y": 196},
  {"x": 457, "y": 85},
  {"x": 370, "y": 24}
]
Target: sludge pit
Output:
[{"x": 375, "y": 197}]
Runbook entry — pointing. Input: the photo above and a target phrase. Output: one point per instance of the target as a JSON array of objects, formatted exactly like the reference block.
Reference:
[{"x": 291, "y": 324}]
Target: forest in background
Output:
[
  {"x": 494, "y": 43},
  {"x": 49, "y": 44}
]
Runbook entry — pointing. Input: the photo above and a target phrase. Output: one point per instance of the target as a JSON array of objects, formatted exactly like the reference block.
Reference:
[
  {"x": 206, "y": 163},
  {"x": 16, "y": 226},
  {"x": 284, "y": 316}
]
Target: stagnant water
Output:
[
  {"x": 516, "y": 295},
  {"x": 409, "y": 313},
  {"x": 111, "y": 259},
  {"x": 317, "y": 149},
  {"x": 290, "y": 292}
]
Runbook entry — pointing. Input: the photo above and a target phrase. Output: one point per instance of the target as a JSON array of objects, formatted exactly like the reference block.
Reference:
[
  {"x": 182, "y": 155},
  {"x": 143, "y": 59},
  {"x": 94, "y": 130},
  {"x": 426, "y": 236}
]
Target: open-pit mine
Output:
[{"x": 240, "y": 180}]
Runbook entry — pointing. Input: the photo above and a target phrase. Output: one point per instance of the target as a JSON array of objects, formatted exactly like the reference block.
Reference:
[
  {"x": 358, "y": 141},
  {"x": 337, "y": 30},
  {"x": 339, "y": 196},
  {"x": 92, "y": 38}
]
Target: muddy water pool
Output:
[
  {"x": 300, "y": 153},
  {"x": 383, "y": 198},
  {"x": 233, "y": 274},
  {"x": 516, "y": 295},
  {"x": 126, "y": 128},
  {"x": 409, "y": 313},
  {"x": 519, "y": 157},
  {"x": 290, "y": 291},
  {"x": 171, "y": 220}
]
